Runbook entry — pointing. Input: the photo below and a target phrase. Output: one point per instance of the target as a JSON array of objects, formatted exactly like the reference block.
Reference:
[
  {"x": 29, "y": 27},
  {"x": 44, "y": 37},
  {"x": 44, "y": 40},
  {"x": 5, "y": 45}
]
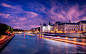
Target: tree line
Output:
[{"x": 4, "y": 28}]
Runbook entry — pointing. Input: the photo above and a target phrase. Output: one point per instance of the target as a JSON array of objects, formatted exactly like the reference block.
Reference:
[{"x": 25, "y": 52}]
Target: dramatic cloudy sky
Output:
[{"x": 27, "y": 14}]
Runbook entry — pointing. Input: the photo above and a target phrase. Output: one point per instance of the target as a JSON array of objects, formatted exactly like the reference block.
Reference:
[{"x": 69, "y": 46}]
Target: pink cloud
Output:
[
  {"x": 38, "y": 6},
  {"x": 34, "y": 26},
  {"x": 55, "y": 16},
  {"x": 29, "y": 20},
  {"x": 17, "y": 7},
  {"x": 17, "y": 27},
  {"x": 84, "y": 18},
  {"x": 63, "y": 12},
  {"x": 35, "y": 19},
  {"x": 22, "y": 19},
  {"x": 31, "y": 14},
  {"x": 4, "y": 15},
  {"x": 17, "y": 10},
  {"x": 5, "y": 5},
  {"x": 13, "y": 20},
  {"x": 73, "y": 13}
]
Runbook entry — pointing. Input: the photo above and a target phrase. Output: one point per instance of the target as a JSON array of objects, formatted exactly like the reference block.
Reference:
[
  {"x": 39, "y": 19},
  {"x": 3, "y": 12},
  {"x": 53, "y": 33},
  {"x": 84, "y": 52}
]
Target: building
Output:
[
  {"x": 60, "y": 27},
  {"x": 47, "y": 28},
  {"x": 68, "y": 28},
  {"x": 82, "y": 23},
  {"x": 84, "y": 27},
  {"x": 35, "y": 29}
]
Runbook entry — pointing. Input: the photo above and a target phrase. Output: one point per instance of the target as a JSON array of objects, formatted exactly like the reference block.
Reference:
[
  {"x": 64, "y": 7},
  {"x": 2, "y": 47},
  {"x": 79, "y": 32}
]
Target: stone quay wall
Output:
[
  {"x": 77, "y": 35},
  {"x": 5, "y": 41}
]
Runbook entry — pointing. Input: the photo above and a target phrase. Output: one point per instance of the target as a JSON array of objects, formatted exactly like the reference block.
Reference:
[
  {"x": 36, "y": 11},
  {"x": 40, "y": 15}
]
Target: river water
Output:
[{"x": 25, "y": 44}]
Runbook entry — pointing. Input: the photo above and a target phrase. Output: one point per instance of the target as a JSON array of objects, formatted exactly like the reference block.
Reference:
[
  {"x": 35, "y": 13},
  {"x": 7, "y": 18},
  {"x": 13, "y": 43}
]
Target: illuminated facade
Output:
[
  {"x": 84, "y": 27},
  {"x": 60, "y": 27},
  {"x": 47, "y": 28},
  {"x": 69, "y": 27}
]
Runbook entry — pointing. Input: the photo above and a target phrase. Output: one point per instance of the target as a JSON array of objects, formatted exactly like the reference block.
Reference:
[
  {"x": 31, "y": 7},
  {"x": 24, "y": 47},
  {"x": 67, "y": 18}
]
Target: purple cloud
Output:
[
  {"x": 5, "y": 5},
  {"x": 4, "y": 15},
  {"x": 30, "y": 14}
]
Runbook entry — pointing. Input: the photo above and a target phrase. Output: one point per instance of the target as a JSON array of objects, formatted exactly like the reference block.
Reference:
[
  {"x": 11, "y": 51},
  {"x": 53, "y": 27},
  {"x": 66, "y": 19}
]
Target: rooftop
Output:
[
  {"x": 69, "y": 23},
  {"x": 82, "y": 21}
]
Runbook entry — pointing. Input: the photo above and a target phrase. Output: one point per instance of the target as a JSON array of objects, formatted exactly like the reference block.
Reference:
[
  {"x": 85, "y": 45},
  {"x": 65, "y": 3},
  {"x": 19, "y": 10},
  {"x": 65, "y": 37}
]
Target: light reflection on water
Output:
[{"x": 25, "y": 44}]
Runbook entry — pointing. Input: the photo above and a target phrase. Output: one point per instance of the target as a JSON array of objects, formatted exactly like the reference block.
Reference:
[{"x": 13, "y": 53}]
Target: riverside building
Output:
[
  {"x": 60, "y": 27},
  {"x": 46, "y": 28}
]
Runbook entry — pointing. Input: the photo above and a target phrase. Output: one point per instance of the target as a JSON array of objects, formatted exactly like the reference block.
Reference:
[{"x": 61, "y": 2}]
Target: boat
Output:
[{"x": 84, "y": 33}]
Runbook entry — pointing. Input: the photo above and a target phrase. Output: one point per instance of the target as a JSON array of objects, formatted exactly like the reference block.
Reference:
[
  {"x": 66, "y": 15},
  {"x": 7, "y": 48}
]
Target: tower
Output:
[
  {"x": 49, "y": 23},
  {"x": 40, "y": 27},
  {"x": 69, "y": 21}
]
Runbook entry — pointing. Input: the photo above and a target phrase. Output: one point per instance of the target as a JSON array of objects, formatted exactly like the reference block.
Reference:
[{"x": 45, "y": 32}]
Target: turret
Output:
[{"x": 40, "y": 27}]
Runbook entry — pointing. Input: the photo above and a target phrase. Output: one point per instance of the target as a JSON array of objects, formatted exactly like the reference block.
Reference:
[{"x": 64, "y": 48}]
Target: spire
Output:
[
  {"x": 49, "y": 23},
  {"x": 40, "y": 24},
  {"x": 44, "y": 24},
  {"x": 69, "y": 21}
]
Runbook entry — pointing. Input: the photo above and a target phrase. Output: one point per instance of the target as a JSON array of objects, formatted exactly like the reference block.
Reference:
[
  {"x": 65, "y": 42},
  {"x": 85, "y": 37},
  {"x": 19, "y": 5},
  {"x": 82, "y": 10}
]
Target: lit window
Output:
[{"x": 76, "y": 29}]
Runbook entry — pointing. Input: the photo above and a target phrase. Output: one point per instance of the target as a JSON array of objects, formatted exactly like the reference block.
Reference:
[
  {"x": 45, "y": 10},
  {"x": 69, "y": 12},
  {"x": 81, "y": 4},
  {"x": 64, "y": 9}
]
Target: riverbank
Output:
[
  {"x": 5, "y": 40},
  {"x": 70, "y": 35},
  {"x": 2, "y": 37},
  {"x": 68, "y": 40}
]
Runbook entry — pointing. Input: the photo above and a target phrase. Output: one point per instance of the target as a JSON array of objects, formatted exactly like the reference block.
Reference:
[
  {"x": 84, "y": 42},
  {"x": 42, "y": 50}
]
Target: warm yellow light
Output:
[
  {"x": 83, "y": 40},
  {"x": 58, "y": 36},
  {"x": 66, "y": 37},
  {"x": 71, "y": 31},
  {"x": 60, "y": 31},
  {"x": 74, "y": 39},
  {"x": 52, "y": 31},
  {"x": 65, "y": 31}
]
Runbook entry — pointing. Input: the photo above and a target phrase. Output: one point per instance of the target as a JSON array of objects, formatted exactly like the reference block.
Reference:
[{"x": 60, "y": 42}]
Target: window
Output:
[
  {"x": 74, "y": 29},
  {"x": 68, "y": 25}
]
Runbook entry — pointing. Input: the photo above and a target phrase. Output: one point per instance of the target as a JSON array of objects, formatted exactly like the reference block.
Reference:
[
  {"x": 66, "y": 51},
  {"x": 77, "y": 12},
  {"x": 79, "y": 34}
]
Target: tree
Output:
[
  {"x": 4, "y": 28},
  {"x": 38, "y": 28}
]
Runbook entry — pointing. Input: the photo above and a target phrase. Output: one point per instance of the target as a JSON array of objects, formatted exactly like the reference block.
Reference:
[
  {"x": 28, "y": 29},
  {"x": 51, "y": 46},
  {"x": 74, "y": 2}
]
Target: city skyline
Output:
[{"x": 29, "y": 14}]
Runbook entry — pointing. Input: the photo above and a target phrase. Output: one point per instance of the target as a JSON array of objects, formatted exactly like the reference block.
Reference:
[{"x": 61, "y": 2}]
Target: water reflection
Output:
[
  {"x": 24, "y": 36},
  {"x": 25, "y": 44},
  {"x": 51, "y": 49}
]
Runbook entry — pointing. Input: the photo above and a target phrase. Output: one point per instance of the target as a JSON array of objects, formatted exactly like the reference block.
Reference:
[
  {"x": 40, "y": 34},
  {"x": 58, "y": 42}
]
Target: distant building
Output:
[{"x": 35, "y": 29}]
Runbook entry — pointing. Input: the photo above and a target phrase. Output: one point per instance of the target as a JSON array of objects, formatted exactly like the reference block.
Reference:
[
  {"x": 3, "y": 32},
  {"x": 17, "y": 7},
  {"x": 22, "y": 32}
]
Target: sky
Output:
[{"x": 27, "y": 14}]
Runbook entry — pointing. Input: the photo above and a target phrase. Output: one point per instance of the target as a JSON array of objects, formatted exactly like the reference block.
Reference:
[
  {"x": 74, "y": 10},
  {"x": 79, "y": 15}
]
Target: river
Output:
[{"x": 25, "y": 44}]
